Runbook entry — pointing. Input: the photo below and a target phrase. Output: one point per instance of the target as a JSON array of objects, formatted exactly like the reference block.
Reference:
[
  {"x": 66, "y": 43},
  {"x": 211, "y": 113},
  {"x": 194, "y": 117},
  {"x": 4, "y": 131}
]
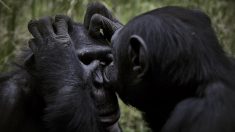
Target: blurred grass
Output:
[
  {"x": 14, "y": 16},
  {"x": 131, "y": 119}
]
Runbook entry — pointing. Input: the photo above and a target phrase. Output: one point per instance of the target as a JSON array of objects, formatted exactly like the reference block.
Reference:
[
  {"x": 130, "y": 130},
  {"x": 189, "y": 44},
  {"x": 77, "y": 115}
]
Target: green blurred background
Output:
[{"x": 15, "y": 14}]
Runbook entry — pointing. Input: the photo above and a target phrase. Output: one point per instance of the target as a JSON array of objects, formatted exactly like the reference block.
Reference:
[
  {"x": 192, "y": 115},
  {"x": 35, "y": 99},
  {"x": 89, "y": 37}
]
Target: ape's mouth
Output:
[
  {"x": 106, "y": 105},
  {"x": 105, "y": 100},
  {"x": 110, "y": 118},
  {"x": 108, "y": 108},
  {"x": 104, "y": 97}
]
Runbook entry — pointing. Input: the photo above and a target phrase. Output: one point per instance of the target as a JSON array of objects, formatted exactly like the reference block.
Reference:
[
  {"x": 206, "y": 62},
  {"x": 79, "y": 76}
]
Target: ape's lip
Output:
[
  {"x": 110, "y": 108},
  {"x": 110, "y": 117},
  {"x": 108, "y": 112}
]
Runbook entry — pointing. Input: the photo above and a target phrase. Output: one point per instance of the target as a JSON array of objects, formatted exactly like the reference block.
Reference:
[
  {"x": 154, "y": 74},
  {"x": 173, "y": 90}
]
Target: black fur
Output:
[{"x": 189, "y": 86}]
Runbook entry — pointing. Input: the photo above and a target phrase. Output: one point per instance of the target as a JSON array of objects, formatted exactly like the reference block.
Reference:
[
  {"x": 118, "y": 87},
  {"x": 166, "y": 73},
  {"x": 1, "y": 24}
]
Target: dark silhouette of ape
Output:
[
  {"x": 60, "y": 88},
  {"x": 171, "y": 67}
]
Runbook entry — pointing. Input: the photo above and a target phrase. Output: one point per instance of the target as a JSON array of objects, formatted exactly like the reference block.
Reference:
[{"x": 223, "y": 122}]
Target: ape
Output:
[
  {"x": 61, "y": 87},
  {"x": 170, "y": 66}
]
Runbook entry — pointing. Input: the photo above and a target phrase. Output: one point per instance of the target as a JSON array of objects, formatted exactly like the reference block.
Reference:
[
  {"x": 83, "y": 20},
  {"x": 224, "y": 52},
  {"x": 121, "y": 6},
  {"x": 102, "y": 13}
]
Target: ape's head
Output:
[
  {"x": 93, "y": 56},
  {"x": 159, "y": 53}
]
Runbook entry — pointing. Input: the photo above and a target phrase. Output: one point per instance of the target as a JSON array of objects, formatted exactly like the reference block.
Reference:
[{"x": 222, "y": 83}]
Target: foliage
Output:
[{"x": 15, "y": 14}]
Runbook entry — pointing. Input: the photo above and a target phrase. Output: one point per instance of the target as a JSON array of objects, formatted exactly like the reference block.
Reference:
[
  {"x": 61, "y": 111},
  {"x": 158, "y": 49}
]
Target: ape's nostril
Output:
[
  {"x": 108, "y": 59},
  {"x": 88, "y": 57},
  {"x": 85, "y": 59}
]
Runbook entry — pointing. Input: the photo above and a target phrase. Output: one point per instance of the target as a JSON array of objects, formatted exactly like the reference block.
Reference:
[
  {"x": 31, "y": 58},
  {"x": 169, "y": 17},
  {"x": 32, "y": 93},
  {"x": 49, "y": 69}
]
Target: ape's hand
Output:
[
  {"x": 51, "y": 45},
  {"x": 54, "y": 61},
  {"x": 98, "y": 17}
]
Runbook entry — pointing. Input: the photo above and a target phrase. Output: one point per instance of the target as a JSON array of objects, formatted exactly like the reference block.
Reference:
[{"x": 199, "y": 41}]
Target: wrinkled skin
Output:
[{"x": 65, "y": 90}]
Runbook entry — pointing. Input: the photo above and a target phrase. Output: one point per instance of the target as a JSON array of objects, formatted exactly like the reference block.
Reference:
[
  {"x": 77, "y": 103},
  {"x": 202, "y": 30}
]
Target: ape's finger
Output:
[
  {"x": 45, "y": 26},
  {"x": 96, "y": 8},
  {"x": 32, "y": 27},
  {"x": 69, "y": 22},
  {"x": 33, "y": 45},
  {"x": 100, "y": 22},
  {"x": 61, "y": 24}
]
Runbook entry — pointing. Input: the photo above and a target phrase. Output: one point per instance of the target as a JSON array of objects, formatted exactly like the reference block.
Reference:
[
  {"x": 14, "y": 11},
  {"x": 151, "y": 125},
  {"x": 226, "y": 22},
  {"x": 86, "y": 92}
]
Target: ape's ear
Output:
[{"x": 138, "y": 54}]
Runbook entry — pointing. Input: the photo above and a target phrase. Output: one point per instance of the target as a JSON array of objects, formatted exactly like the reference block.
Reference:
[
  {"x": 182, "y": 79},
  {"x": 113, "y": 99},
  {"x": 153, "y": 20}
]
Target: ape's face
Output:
[{"x": 96, "y": 54}]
